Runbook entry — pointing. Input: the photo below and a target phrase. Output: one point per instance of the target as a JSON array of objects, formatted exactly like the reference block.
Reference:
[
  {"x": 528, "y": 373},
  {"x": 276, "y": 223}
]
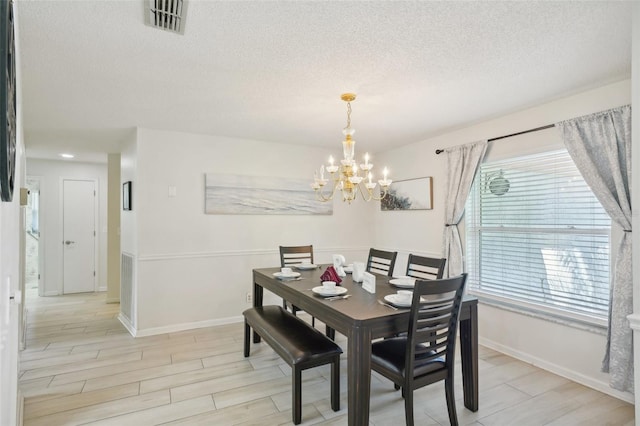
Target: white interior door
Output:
[{"x": 79, "y": 235}]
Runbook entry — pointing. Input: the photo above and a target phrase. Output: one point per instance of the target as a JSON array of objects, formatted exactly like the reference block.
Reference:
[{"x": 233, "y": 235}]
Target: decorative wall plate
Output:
[{"x": 499, "y": 185}]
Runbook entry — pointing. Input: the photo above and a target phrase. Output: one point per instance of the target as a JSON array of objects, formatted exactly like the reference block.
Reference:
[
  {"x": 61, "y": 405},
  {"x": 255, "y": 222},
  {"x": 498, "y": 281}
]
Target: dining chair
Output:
[
  {"x": 381, "y": 262},
  {"x": 425, "y": 268},
  {"x": 291, "y": 256},
  {"x": 424, "y": 355}
]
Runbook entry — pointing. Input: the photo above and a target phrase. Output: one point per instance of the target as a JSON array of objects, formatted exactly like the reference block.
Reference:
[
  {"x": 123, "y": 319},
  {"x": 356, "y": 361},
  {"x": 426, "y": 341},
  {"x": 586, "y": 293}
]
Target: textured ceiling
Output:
[{"x": 92, "y": 71}]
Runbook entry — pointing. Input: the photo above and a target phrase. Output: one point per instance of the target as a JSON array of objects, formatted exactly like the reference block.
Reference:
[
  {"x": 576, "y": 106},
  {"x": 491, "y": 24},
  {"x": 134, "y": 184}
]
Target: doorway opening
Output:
[{"x": 32, "y": 238}]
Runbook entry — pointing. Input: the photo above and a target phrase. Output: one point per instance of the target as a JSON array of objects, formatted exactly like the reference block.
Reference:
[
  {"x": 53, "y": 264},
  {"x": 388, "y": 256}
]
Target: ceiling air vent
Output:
[{"x": 166, "y": 14}]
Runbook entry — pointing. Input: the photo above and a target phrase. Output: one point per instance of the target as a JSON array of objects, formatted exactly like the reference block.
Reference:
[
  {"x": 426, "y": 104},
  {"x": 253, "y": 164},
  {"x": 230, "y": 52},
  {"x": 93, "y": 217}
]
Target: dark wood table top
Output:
[{"x": 361, "y": 308}]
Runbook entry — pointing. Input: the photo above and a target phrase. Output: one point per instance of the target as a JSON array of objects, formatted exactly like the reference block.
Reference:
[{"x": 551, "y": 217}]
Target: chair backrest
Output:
[
  {"x": 433, "y": 321},
  {"x": 292, "y": 255},
  {"x": 425, "y": 268},
  {"x": 381, "y": 262}
]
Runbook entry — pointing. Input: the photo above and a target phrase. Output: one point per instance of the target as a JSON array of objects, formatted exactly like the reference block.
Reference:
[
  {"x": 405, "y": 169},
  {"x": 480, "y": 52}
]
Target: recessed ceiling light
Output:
[{"x": 67, "y": 155}]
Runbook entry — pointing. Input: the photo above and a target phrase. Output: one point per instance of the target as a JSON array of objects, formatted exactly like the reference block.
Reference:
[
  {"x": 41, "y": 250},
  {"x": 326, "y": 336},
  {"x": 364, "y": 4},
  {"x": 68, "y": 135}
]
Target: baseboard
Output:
[
  {"x": 113, "y": 300},
  {"x": 559, "y": 370},
  {"x": 127, "y": 324},
  {"x": 20, "y": 409},
  {"x": 186, "y": 326},
  {"x": 51, "y": 293},
  {"x": 103, "y": 288}
]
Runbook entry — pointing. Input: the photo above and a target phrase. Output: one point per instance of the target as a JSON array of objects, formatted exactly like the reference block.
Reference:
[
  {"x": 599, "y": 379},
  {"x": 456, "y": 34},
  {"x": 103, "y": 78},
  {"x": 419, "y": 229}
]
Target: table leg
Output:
[
  {"x": 469, "y": 358},
  {"x": 359, "y": 376},
  {"x": 257, "y": 301},
  {"x": 330, "y": 333}
]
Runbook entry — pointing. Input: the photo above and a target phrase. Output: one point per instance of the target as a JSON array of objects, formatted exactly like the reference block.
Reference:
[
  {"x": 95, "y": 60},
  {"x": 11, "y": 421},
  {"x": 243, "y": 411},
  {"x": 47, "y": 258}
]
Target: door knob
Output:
[{"x": 68, "y": 242}]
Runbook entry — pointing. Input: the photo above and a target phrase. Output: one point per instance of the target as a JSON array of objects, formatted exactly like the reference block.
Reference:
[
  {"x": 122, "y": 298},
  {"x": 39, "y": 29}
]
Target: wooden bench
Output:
[{"x": 298, "y": 344}]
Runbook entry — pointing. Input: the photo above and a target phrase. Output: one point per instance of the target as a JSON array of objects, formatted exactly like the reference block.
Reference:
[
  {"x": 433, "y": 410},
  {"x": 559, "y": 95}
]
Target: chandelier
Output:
[{"x": 348, "y": 177}]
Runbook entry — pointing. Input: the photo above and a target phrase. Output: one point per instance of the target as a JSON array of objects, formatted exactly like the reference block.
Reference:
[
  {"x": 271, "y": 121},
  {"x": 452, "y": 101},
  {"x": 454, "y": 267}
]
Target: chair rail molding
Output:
[{"x": 241, "y": 253}]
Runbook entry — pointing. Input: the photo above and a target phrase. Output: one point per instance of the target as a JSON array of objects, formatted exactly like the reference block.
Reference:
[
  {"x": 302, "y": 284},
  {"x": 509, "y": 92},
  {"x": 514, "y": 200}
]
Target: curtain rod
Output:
[{"x": 548, "y": 126}]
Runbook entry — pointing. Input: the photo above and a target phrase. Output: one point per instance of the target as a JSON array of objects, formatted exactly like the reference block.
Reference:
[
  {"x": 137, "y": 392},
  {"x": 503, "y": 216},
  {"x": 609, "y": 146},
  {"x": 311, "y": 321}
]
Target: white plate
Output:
[
  {"x": 282, "y": 276},
  {"x": 403, "y": 282},
  {"x": 305, "y": 266},
  {"x": 395, "y": 301},
  {"x": 324, "y": 292}
]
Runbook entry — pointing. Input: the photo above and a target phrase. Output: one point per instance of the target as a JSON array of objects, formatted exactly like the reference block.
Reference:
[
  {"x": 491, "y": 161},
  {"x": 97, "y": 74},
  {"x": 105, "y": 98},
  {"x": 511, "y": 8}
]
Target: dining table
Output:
[{"x": 362, "y": 318}]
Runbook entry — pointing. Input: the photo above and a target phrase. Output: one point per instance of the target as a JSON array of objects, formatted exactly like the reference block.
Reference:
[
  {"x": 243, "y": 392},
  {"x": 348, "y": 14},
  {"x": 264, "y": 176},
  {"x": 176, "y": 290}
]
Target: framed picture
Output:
[
  {"x": 7, "y": 102},
  {"x": 240, "y": 194},
  {"x": 410, "y": 194},
  {"x": 126, "y": 195}
]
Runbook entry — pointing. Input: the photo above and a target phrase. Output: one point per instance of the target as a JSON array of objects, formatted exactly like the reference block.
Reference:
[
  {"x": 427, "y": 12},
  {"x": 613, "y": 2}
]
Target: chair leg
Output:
[
  {"x": 451, "y": 401},
  {"x": 335, "y": 384},
  {"x": 297, "y": 395},
  {"x": 313, "y": 321},
  {"x": 408, "y": 406},
  {"x": 247, "y": 336}
]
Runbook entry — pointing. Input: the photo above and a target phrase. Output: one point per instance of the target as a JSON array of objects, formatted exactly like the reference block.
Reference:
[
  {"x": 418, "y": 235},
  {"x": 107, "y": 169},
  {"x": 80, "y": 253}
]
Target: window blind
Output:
[{"x": 537, "y": 235}]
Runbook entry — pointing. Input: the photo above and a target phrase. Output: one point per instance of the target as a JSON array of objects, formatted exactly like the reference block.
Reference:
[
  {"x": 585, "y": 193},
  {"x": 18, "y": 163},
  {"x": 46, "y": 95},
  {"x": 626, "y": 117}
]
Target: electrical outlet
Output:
[{"x": 249, "y": 298}]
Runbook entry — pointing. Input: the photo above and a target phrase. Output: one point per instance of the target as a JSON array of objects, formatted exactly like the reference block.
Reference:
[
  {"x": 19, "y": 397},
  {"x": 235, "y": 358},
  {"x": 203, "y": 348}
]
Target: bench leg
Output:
[
  {"x": 247, "y": 335},
  {"x": 297, "y": 395},
  {"x": 335, "y": 384}
]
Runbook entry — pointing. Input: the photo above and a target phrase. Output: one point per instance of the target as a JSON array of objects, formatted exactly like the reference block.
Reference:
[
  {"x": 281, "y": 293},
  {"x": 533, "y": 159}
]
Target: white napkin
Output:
[
  {"x": 358, "y": 272},
  {"x": 338, "y": 264}
]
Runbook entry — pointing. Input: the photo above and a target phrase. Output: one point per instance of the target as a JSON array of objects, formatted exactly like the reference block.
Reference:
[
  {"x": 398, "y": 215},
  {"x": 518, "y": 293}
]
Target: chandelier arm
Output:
[
  {"x": 384, "y": 194},
  {"x": 366, "y": 197},
  {"x": 324, "y": 198}
]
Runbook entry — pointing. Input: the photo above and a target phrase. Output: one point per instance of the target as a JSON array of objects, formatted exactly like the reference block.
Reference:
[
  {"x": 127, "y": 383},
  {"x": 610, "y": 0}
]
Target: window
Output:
[{"x": 538, "y": 237}]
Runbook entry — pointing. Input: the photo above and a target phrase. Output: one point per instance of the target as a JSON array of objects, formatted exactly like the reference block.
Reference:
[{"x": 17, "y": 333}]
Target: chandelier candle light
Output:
[{"x": 348, "y": 176}]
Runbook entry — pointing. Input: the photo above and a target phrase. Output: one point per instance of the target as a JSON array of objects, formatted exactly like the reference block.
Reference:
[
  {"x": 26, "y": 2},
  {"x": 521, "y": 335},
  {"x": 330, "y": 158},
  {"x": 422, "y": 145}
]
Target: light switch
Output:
[
  {"x": 24, "y": 196},
  {"x": 172, "y": 191}
]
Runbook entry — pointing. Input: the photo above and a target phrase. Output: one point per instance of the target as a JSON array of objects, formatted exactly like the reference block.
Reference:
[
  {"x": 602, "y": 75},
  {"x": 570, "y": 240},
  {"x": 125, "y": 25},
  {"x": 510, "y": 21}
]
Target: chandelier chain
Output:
[{"x": 348, "y": 114}]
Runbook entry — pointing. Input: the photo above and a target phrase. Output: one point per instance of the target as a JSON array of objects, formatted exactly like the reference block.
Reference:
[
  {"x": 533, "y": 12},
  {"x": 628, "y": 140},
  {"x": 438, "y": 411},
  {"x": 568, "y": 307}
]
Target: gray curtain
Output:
[
  {"x": 600, "y": 145},
  {"x": 462, "y": 164}
]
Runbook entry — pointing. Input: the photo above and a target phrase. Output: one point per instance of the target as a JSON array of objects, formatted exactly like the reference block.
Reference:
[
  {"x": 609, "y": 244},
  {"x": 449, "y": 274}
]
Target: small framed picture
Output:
[
  {"x": 126, "y": 195},
  {"x": 410, "y": 194}
]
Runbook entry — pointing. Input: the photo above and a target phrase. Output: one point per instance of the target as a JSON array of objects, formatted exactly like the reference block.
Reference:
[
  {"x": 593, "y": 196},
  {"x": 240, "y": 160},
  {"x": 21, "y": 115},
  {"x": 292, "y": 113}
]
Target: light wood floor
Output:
[{"x": 82, "y": 367}]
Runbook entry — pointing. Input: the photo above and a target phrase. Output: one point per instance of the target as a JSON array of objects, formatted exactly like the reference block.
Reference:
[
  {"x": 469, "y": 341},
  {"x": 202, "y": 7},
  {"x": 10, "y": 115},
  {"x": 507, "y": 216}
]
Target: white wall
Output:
[
  {"x": 194, "y": 269},
  {"x": 635, "y": 165},
  {"x": 572, "y": 352},
  {"x": 11, "y": 274},
  {"x": 51, "y": 173},
  {"x": 128, "y": 172},
  {"x": 114, "y": 194},
  {"x": 11, "y": 229}
]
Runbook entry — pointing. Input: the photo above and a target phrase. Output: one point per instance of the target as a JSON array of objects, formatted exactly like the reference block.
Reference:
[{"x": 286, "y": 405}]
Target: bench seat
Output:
[{"x": 298, "y": 344}]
